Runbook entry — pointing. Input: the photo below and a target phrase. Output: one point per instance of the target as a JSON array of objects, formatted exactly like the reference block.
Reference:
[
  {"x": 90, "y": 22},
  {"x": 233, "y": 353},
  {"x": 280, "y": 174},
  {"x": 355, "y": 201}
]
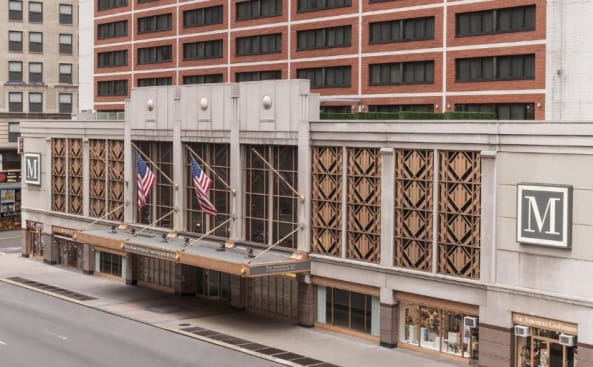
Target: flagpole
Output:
[
  {"x": 301, "y": 197},
  {"x": 102, "y": 217},
  {"x": 149, "y": 225},
  {"x": 210, "y": 169},
  {"x": 275, "y": 244},
  {"x": 206, "y": 234},
  {"x": 154, "y": 165}
]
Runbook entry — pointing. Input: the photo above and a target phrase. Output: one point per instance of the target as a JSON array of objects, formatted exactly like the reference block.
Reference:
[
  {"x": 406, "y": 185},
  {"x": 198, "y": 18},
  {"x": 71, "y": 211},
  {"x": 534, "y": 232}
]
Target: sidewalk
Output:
[{"x": 217, "y": 324}]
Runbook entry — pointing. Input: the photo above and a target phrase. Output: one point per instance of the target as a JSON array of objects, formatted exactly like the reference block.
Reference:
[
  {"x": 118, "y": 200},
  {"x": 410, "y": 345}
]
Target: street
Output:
[
  {"x": 10, "y": 242},
  {"x": 36, "y": 329}
]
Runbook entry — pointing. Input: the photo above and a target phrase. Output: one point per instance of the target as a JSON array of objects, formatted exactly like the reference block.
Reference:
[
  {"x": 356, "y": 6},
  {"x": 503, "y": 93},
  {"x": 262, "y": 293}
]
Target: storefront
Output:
[
  {"x": 10, "y": 204},
  {"x": 33, "y": 239},
  {"x": 439, "y": 327},
  {"x": 348, "y": 308},
  {"x": 213, "y": 285},
  {"x": 70, "y": 252},
  {"x": 541, "y": 342}
]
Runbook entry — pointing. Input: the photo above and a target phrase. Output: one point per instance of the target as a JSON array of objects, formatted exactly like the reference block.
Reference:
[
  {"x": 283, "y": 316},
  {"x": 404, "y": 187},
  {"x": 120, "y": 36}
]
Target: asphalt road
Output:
[
  {"x": 39, "y": 330},
  {"x": 10, "y": 242}
]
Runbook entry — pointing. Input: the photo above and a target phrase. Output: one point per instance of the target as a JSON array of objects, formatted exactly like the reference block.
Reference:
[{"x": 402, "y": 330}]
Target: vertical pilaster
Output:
[
  {"x": 488, "y": 217},
  {"x": 88, "y": 259},
  {"x": 387, "y": 205},
  {"x": 86, "y": 177},
  {"x": 178, "y": 165},
  {"x": 238, "y": 292},
  {"x": 584, "y": 357},
  {"x": 130, "y": 274},
  {"x": 307, "y": 302},
  {"x": 389, "y": 312},
  {"x": 495, "y": 346},
  {"x": 236, "y": 167},
  {"x": 129, "y": 169},
  {"x": 50, "y": 250},
  {"x": 304, "y": 176}
]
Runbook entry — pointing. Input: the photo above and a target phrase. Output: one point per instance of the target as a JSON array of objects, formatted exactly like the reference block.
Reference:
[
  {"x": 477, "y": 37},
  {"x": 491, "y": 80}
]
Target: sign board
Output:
[
  {"x": 543, "y": 323},
  {"x": 291, "y": 267},
  {"x": 544, "y": 215},
  {"x": 33, "y": 168}
]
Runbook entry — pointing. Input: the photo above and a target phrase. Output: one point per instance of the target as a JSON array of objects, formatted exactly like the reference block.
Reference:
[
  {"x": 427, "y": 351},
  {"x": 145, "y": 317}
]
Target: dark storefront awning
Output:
[{"x": 235, "y": 259}]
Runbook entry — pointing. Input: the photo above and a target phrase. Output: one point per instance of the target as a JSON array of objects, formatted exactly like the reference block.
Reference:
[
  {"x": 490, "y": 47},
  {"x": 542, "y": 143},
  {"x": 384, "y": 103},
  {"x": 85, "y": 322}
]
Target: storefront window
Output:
[
  {"x": 439, "y": 330},
  {"x": 109, "y": 264},
  {"x": 542, "y": 348},
  {"x": 350, "y": 310}
]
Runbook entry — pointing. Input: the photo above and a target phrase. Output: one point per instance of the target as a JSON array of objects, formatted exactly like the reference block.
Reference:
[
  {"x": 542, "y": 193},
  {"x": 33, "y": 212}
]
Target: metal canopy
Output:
[{"x": 235, "y": 259}]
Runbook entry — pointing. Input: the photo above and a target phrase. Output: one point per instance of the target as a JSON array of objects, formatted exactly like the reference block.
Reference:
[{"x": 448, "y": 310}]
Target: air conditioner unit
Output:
[
  {"x": 522, "y": 331},
  {"x": 567, "y": 340},
  {"x": 471, "y": 322}
]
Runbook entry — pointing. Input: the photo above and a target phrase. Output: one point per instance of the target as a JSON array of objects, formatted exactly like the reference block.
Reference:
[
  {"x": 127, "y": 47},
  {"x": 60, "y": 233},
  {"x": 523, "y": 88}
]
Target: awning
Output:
[{"x": 235, "y": 259}]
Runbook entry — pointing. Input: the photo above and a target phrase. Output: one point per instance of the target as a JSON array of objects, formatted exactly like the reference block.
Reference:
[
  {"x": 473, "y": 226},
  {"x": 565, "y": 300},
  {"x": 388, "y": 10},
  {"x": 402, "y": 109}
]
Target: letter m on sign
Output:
[
  {"x": 33, "y": 168},
  {"x": 544, "y": 215}
]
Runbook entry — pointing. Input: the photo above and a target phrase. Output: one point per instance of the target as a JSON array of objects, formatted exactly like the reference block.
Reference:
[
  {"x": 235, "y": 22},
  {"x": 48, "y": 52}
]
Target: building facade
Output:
[
  {"x": 463, "y": 240},
  {"x": 517, "y": 58},
  {"x": 38, "y": 80}
]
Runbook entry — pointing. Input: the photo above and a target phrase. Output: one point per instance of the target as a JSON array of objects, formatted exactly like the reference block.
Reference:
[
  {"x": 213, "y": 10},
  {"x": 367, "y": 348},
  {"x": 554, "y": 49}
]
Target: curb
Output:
[
  {"x": 171, "y": 330},
  {"x": 10, "y": 238}
]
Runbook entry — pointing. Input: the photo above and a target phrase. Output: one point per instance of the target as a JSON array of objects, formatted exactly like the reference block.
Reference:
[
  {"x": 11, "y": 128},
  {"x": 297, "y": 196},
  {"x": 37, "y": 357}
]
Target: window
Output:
[
  {"x": 324, "y": 38},
  {"x": 35, "y": 102},
  {"x": 517, "y": 19},
  {"x": 65, "y": 73},
  {"x": 14, "y": 132},
  {"x": 15, "y": 71},
  {"x": 110, "y": 263},
  {"x": 35, "y": 42},
  {"x": 15, "y": 10},
  {"x": 330, "y": 77},
  {"x": 402, "y": 108},
  {"x": 203, "y": 16},
  {"x": 65, "y": 14},
  {"x": 35, "y": 72},
  {"x": 15, "y": 41},
  {"x": 15, "y": 102},
  {"x": 503, "y": 111},
  {"x": 258, "y": 9},
  {"x": 112, "y": 59},
  {"x": 418, "y": 72},
  {"x": 110, "y": 4},
  {"x": 202, "y": 79},
  {"x": 349, "y": 310},
  {"x": 270, "y": 211},
  {"x": 314, "y": 5},
  {"x": 250, "y": 76},
  {"x": 151, "y": 82},
  {"x": 35, "y": 12},
  {"x": 202, "y": 50},
  {"x": 153, "y": 55},
  {"x": 515, "y": 67},
  {"x": 112, "y": 30},
  {"x": 402, "y": 30},
  {"x": 155, "y": 23},
  {"x": 66, "y": 44},
  {"x": 259, "y": 45},
  {"x": 65, "y": 101},
  {"x": 112, "y": 88}
]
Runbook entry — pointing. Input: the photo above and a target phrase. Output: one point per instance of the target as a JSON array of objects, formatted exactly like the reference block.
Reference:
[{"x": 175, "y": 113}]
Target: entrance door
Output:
[
  {"x": 214, "y": 285},
  {"x": 547, "y": 352}
]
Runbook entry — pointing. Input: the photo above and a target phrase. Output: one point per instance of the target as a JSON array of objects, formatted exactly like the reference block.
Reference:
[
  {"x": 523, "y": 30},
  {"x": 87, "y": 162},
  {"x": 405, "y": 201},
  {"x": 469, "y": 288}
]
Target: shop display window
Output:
[
  {"x": 541, "y": 348},
  {"x": 438, "y": 330},
  {"x": 349, "y": 310}
]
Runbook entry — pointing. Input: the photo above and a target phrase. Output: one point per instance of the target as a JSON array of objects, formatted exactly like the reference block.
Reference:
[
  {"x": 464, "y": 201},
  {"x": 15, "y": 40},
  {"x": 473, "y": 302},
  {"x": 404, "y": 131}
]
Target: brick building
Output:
[{"x": 516, "y": 58}]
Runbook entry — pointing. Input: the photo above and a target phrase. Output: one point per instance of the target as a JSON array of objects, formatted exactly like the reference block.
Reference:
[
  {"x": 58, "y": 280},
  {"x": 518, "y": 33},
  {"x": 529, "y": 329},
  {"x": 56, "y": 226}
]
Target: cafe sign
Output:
[{"x": 547, "y": 324}]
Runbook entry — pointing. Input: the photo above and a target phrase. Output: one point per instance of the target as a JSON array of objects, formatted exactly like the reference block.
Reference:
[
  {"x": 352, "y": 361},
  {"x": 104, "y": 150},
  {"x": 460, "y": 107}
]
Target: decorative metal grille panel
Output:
[
  {"x": 97, "y": 190},
  {"x": 459, "y": 214},
  {"x": 326, "y": 200},
  {"x": 58, "y": 175},
  {"x": 115, "y": 177},
  {"x": 413, "y": 209},
  {"x": 364, "y": 204},
  {"x": 75, "y": 175}
]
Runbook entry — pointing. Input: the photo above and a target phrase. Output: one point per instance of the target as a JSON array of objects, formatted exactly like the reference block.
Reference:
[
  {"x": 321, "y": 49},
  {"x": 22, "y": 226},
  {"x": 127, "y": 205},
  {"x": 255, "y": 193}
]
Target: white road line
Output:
[
  {"x": 56, "y": 335},
  {"x": 3, "y": 343}
]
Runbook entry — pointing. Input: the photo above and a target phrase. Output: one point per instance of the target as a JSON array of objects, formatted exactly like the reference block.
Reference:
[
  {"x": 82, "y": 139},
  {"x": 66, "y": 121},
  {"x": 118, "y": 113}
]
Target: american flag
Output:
[
  {"x": 146, "y": 180},
  {"x": 202, "y": 185}
]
